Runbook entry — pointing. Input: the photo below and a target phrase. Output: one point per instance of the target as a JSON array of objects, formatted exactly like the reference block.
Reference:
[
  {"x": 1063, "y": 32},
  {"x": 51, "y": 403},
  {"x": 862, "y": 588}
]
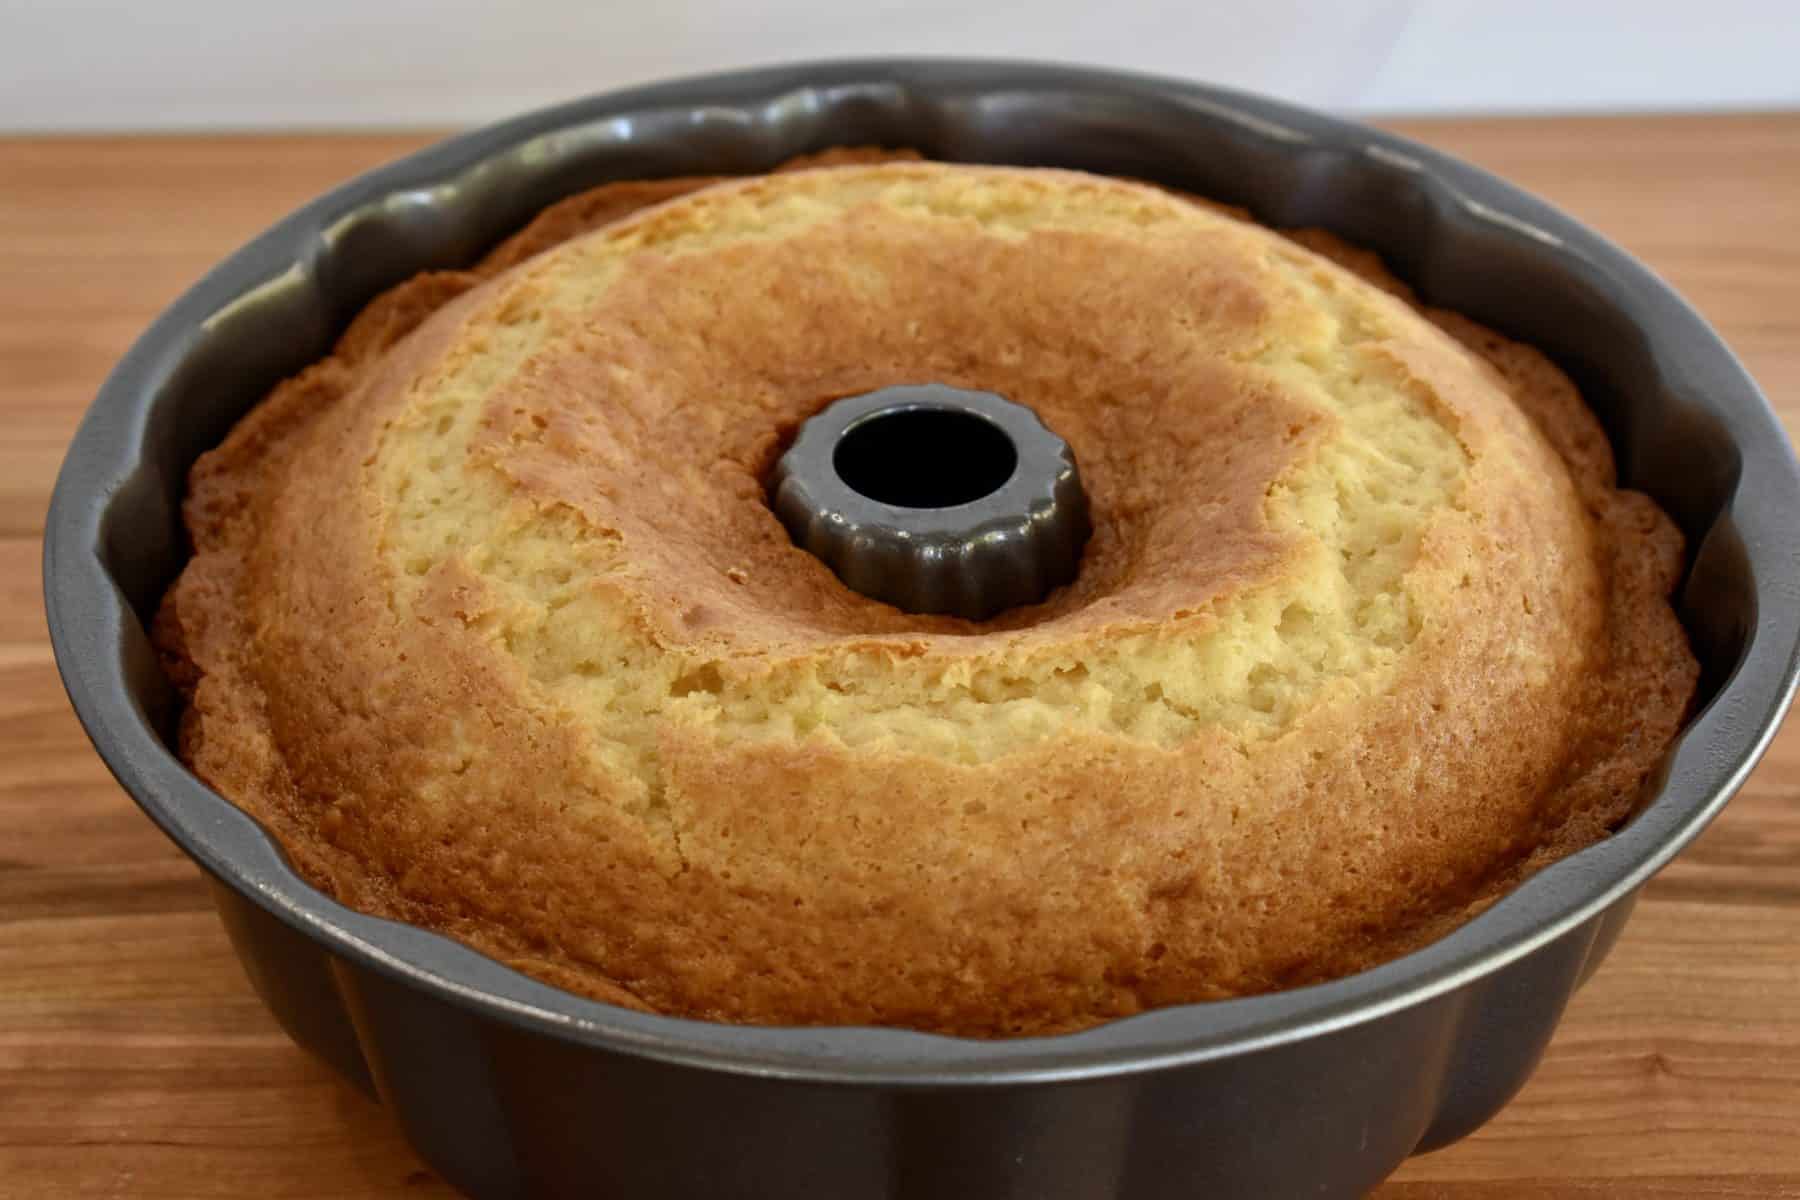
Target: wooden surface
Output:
[{"x": 134, "y": 1061}]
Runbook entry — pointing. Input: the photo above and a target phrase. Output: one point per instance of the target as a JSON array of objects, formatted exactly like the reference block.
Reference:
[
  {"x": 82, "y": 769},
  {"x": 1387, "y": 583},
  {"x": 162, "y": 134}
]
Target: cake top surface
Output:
[{"x": 593, "y": 441}]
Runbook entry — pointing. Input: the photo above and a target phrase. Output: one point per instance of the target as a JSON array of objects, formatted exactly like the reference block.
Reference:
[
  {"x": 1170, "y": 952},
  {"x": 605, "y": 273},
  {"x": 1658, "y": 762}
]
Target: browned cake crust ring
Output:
[{"x": 488, "y": 622}]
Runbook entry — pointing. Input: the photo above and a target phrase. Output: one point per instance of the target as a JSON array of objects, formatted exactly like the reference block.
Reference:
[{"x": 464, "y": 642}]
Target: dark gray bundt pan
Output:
[{"x": 510, "y": 1088}]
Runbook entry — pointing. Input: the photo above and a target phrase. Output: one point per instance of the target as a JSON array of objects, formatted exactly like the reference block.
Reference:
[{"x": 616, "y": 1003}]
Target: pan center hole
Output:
[{"x": 919, "y": 457}]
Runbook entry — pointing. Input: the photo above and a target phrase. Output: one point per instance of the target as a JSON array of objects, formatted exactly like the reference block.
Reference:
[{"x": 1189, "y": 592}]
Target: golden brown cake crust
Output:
[{"x": 489, "y": 623}]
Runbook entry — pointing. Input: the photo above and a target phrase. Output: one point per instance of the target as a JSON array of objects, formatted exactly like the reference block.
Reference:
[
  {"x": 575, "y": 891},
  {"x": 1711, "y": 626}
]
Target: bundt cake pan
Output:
[{"x": 510, "y": 1088}]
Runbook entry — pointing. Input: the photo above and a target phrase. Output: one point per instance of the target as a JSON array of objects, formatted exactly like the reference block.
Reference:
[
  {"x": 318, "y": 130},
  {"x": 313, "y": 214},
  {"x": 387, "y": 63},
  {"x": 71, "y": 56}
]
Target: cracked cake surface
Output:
[{"x": 489, "y": 622}]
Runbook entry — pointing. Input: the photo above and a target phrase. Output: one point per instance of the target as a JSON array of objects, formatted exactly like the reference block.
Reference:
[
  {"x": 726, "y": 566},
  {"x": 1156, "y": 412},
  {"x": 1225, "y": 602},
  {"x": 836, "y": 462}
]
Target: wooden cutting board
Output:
[{"x": 134, "y": 1061}]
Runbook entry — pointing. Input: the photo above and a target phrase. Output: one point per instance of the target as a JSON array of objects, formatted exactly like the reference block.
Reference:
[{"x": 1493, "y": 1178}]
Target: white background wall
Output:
[{"x": 85, "y": 64}]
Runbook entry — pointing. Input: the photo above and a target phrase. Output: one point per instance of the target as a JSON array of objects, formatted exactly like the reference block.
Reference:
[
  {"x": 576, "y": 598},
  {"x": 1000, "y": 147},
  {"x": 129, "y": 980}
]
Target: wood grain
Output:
[{"x": 134, "y": 1061}]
